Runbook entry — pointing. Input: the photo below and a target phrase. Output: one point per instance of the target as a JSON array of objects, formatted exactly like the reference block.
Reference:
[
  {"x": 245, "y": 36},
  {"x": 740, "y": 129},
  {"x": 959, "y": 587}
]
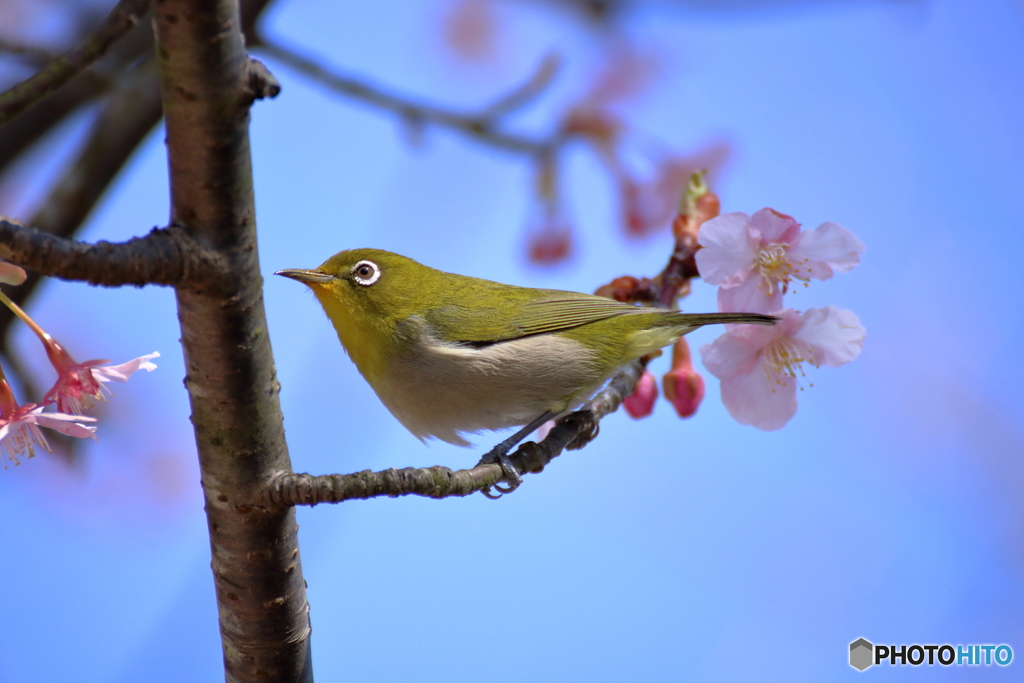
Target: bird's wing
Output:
[
  {"x": 517, "y": 314},
  {"x": 552, "y": 315}
]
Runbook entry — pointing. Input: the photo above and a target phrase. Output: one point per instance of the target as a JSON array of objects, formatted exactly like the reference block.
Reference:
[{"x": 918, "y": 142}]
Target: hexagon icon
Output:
[{"x": 862, "y": 654}]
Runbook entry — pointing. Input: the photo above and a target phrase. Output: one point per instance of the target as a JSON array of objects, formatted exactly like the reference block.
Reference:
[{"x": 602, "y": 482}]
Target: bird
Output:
[{"x": 451, "y": 355}]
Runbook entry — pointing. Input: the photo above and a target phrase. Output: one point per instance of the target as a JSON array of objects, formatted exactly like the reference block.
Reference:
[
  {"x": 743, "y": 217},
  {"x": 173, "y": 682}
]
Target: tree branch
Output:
[
  {"x": 480, "y": 126},
  {"x": 166, "y": 256},
  {"x": 574, "y": 431},
  {"x": 122, "y": 19}
]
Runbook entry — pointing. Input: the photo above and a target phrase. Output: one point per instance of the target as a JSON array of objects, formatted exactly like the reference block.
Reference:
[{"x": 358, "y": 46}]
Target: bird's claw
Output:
[
  {"x": 509, "y": 472},
  {"x": 499, "y": 455},
  {"x": 589, "y": 430}
]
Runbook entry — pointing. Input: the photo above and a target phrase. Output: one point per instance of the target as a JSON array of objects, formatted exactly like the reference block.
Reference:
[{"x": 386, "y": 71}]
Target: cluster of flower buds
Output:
[{"x": 78, "y": 387}]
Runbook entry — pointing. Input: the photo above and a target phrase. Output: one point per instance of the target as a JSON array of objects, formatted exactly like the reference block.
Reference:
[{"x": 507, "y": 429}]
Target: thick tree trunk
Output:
[{"x": 208, "y": 85}]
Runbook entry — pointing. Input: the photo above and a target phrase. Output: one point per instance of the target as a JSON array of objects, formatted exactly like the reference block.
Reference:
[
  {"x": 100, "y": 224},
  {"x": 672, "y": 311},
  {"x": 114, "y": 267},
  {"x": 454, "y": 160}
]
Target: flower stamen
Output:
[
  {"x": 784, "y": 359},
  {"x": 775, "y": 268}
]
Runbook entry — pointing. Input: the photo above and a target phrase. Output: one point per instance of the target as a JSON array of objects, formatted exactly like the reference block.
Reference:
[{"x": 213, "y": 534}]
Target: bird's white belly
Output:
[{"x": 439, "y": 389}]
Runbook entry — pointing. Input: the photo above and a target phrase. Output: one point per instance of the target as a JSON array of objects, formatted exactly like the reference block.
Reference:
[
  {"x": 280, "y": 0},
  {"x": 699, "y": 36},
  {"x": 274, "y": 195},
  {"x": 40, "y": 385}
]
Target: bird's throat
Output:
[{"x": 363, "y": 337}]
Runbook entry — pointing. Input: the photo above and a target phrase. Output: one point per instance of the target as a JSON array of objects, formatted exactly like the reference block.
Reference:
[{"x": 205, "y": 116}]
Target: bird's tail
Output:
[{"x": 701, "y": 319}]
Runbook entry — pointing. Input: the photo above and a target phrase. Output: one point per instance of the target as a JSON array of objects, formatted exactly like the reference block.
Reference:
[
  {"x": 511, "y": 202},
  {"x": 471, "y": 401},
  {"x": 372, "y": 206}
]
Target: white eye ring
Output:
[{"x": 361, "y": 277}]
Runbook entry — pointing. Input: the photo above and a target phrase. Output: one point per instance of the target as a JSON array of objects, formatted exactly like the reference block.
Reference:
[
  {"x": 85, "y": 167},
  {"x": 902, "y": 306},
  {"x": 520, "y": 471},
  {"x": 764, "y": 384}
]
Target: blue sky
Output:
[{"x": 888, "y": 508}]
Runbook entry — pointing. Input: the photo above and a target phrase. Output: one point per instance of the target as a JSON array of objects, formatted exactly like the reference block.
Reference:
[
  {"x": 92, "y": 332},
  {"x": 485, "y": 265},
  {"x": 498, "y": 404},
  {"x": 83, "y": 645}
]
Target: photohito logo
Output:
[{"x": 863, "y": 654}]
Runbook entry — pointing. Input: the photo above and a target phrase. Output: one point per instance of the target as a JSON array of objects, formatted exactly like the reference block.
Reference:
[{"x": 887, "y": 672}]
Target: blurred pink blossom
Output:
[
  {"x": 19, "y": 426},
  {"x": 755, "y": 258},
  {"x": 80, "y": 385},
  {"x": 759, "y": 366},
  {"x": 641, "y": 402},
  {"x": 470, "y": 29},
  {"x": 649, "y": 205},
  {"x": 551, "y": 245}
]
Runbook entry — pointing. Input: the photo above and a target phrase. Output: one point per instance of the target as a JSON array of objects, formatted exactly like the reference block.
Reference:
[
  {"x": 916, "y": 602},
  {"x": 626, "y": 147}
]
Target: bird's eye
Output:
[{"x": 365, "y": 273}]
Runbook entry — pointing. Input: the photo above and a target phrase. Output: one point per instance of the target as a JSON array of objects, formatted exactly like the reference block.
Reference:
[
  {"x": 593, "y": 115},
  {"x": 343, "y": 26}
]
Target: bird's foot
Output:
[
  {"x": 499, "y": 455},
  {"x": 589, "y": 428}
]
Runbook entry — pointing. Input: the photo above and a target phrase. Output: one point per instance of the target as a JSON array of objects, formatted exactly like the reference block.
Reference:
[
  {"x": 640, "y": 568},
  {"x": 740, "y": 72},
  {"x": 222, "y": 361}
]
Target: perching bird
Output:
[{"x": 449, "y": 354}]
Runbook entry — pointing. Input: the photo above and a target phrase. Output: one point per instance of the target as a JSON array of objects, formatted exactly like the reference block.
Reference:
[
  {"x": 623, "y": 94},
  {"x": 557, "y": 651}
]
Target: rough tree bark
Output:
[{"x": 208, "y": 83}]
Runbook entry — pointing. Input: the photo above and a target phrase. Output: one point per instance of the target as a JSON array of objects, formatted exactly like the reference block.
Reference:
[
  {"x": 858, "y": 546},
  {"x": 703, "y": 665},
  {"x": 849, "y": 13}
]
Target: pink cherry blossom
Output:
[
  {"x": 760, "y": 367},
  {"x": 80, "y": 385},
  {"x": 19, "y": 426},
  {"x": 756, "y": 258},
  {"x": 641, "y": 402},
  {"x": 644, "y": 207}
]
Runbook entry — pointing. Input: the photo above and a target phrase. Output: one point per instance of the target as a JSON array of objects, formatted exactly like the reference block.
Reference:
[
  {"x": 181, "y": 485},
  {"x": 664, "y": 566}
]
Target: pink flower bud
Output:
[
  {"x": 683, "y": 386},
  {"x": 641, "y": 402},
  {"x": 684, "y": 389}
]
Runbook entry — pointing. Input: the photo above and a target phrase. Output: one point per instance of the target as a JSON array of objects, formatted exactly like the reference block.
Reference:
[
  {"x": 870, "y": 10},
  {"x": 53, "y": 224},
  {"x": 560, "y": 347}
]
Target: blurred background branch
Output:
[
  {"x": 482, "y": 126},
  {"x": 126, "y": 79},
  {"x": 123, "y": 18}
]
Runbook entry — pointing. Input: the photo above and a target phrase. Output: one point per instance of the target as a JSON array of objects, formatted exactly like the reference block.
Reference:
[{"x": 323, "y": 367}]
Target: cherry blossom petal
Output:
[
  {"x": 65, "y": 424},
  {"x": 760, "y": 398},
  {"x": 124, "y": 371},
  {"x": 775, "y": 228},
  {"x": 730, "y": 249},
  {"x": 750, "y": 296},
  {"x": 829, "y": 247},
  {"x": 737, "y": 351},
  {"x": 835, "y": 336},
  {"x": 20, "y": 433}
]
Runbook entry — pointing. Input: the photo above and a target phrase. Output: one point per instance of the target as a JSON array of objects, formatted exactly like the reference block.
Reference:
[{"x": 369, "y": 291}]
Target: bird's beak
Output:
[{"x": 310, "y": 277}]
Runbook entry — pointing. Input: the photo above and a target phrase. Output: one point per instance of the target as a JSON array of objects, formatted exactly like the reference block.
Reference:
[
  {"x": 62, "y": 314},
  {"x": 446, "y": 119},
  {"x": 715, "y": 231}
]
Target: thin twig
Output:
[
  {"x": 572, "y": 432},
  {"x": 32, "y": 53},
  {"x": 121, "y": 20},
  {"x": 519, "y": 97},
  {"x": 480, "y": 125}
]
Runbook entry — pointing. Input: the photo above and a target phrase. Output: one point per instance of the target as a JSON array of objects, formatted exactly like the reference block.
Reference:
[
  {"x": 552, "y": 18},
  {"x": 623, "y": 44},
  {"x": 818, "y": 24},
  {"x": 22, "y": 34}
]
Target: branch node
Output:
[{"x": 259, "y": 82}]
